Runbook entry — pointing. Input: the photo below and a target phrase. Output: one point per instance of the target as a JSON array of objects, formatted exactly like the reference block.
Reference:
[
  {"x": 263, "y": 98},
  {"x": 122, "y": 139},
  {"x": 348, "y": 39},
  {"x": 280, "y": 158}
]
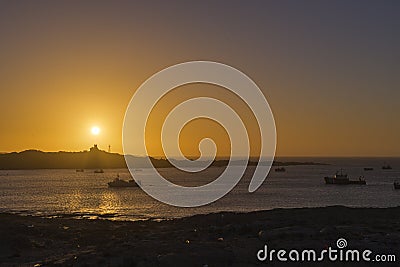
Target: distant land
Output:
[{"x": 96, "y": 159}]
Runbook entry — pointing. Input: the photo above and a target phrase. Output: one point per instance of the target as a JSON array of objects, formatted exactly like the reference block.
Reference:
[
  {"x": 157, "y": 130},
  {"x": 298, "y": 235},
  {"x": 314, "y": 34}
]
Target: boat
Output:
[
  {"x": 117, "y": 182},
  {"x": 281, "y": 169},
  {"x": 368, "y": 169},
  {"x": 343, "y": 179},
  {"x": 386, "y": 167},
  {"x": 80, "y": 170},
  {"x": 99, "y": 171},
  {"x": 396, "y": 185}
]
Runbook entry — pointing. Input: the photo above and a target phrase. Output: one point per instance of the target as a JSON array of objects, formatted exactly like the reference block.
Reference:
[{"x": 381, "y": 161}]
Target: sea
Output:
[{"x": 85, "y": 195}]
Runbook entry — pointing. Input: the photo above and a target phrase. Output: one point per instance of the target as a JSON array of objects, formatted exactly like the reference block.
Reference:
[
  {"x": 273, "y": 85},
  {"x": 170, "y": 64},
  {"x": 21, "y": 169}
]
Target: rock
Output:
[{"x": 262, "y": 235}]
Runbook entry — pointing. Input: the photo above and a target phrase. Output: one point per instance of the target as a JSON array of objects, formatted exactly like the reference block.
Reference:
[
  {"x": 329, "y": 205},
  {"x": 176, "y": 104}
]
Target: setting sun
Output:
[{"x": 95, "y": 130}]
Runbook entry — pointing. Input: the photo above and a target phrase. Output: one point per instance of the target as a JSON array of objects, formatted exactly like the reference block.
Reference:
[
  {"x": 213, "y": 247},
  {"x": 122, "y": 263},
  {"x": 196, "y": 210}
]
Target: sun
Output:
[{"x": 95, "y": 130}]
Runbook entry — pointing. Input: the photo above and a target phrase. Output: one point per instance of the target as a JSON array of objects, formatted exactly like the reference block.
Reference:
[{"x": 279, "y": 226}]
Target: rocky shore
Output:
[{"x": 221, "y": 239}]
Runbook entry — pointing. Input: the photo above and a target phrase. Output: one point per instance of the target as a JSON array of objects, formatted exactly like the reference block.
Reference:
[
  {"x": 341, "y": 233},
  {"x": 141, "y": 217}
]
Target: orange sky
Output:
[{"x": 332, "y": 83}]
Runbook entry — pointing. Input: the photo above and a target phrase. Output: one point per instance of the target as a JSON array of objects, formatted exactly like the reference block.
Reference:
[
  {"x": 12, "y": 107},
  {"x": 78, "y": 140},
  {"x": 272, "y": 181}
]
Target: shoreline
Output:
[
  {"x": 216, "y": 239},
  {"x": 115, "y": 217}
]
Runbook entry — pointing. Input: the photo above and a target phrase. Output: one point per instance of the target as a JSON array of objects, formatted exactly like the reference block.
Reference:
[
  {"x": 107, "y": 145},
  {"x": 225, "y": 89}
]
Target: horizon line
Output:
[{"x": 219, "y": 157}]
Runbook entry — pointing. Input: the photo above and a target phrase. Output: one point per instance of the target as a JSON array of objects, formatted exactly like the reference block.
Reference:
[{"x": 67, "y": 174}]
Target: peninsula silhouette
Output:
[{"x": 95, "y": 158}]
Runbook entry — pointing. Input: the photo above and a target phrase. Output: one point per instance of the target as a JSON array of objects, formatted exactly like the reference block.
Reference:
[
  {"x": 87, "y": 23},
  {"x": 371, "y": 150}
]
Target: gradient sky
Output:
[{"x": 329, "y": 69}]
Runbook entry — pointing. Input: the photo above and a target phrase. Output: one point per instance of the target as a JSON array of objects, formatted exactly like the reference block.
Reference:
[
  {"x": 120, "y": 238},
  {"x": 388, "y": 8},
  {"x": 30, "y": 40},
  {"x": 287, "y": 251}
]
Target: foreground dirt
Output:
[{"x": 221, "y": 239}]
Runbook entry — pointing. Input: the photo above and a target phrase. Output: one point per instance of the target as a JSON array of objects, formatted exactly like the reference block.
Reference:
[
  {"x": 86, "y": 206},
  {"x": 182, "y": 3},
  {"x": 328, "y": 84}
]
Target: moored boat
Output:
[
  {"x": 368, "y": 169},
  {"x": 386, "y": 167},
  {"x": 396, "y": 185},
  {"x": 117, "y": 182},
  {"x": 99, "y": 171},
  {"x": 343, "y": 179},
  {"x": 281, "y": 169}
]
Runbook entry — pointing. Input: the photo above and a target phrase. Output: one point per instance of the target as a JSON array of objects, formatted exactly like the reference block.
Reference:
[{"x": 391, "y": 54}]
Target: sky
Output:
[{"x": 330, "y": 71}]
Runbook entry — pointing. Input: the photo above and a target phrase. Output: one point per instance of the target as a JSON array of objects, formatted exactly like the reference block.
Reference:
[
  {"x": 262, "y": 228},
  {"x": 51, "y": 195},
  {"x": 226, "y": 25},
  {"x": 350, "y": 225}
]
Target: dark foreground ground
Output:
[{"x": 222, "y": 239}]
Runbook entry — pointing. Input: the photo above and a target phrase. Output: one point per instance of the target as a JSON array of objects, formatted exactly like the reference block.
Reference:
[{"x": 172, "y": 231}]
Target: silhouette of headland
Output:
[{"x": 95, "y": 159}]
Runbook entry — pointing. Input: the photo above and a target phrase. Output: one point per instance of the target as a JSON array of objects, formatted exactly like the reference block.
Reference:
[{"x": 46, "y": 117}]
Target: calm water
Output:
[{"x": 86, "y": 195}]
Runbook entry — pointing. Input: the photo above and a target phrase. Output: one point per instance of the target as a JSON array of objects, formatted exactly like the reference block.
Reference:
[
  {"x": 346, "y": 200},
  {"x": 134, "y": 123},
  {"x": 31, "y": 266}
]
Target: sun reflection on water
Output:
[
  {"x": 82, "y": 204},
  {"x": 110, "y": 203}
]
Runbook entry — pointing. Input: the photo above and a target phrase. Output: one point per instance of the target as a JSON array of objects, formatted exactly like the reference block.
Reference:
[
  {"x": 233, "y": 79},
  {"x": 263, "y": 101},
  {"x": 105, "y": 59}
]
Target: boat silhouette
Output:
[
  {"x": 396, "y": 185},
  {"x": 386, "y": 166},
  {"x": 117, "y": 182},
  {"x": 343, "y": 179}
]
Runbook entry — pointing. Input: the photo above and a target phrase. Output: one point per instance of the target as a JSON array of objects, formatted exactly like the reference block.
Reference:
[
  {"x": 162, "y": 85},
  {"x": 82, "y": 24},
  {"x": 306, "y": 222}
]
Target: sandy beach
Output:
[{"x": 221, "y": 239}]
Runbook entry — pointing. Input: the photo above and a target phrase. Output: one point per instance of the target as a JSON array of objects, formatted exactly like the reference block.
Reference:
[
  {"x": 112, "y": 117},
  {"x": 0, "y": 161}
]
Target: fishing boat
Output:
[
  {"x": 117, "y": 182},
  {"x": 80, "y": 170},
  {"x": 281, "y": 169},
  {"x": 386, "y": 167},
  {"x": 99, "y": 171},
  {"x": 343, "y": 179},
  {"x": 368, "y": 169},
  {"x": 396, "y": 185}
]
